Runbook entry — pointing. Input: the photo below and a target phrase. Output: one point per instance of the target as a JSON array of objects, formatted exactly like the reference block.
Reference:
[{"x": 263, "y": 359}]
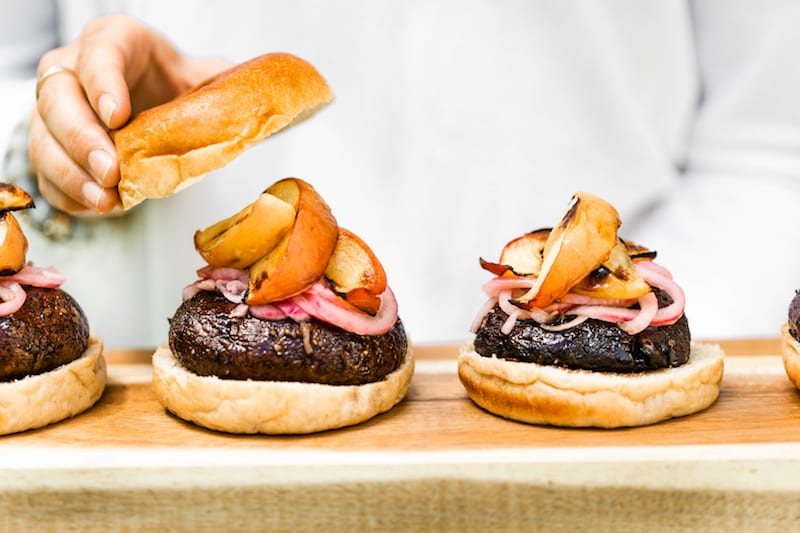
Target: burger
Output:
[
  {"x": 584, "y": 329},
  {"x": 790, "y": 341},
  {"x": 291, "y": 326},
  {"x": 51, "y": 365}
]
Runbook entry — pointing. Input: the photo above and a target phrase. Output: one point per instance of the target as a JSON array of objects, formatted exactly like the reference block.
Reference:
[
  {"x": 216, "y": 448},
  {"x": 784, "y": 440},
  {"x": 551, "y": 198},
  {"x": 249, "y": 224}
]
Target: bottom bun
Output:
[
  {"x": 41, "y": 399},
  {"x": 539, "y": 394},
  {"x": 273, "y": 407},
  {"x": 790, "y": 349}
]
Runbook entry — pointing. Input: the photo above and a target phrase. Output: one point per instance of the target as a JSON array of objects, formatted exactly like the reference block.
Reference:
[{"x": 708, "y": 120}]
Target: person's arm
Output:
[
  {"x": 729, "y": 229},
  {"x": 118, "y": 67}
]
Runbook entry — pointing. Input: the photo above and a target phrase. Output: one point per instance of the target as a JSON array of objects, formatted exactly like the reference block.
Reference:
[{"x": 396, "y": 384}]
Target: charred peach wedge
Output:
[
  {"x": 301, "y": 256},
  {"x": 14, "y": 198},
  {"x": 13, "y": 244},
  {"x": 244, "y": 238},
  {"x": 525, "y": 254},
  {"x": 355, "y": 272},
  {"x": 580, "y": 243},
  {"x": 616, "y": 278}
]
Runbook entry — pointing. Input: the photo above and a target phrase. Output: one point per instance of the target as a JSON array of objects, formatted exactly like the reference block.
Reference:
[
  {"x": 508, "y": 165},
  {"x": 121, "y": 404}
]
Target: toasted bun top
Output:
[{"x": 167, "y": 148}]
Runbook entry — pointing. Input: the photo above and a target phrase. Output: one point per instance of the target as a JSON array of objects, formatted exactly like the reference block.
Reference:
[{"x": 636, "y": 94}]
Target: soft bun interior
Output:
[
  {"x": 38, "y": 400},
  {"x": 551, "y": 395},
  {"x": 272, "y": 407},
  {"x": 167, "y": 148}
]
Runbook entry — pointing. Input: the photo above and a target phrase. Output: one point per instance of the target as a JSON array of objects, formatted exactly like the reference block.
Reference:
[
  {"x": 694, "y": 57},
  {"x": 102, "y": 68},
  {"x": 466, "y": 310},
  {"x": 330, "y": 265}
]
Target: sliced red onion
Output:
[
  {"x": 535, "y": 313},
  {"x": 584, "y": 307},
  {"x": 648, "y": 306},
  {"x": 508, "y": 325},
  {"x": 655, "y": 268},
  {"x": 495, "y": 285},
  {"x": 653, "y": 274},
  {"x": 558, "y": 308},
  {"x": 605, "y": 313},
  {"x": 190, "y": 291},
  {"x": 580, "y": 299},
  {"x": 240, "y": 311},
  {"x": 38, "y": 277},
  {"x": 503, "y": 300},
  {"x": 200, "y": 285},
  {"x": 576, "y": 320},
  {"x": 13, "y": 297},
  {"x": 266, "y": 311},
  {"x": 224, "y": 273},
  {"x": 321, "y": 302},
  {"x": 292, "y": 310},
  {"x": 487, "y": 306},
  {"x": 233, "y": 290}
]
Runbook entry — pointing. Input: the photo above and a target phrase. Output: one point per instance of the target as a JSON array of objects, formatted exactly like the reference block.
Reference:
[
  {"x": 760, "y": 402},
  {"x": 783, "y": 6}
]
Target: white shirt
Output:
[{"x": 459, "y": 126}]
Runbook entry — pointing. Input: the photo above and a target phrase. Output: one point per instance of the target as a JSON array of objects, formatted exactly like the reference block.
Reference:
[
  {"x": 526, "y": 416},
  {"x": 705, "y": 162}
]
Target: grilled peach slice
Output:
[
  {"x": 13, "y": 245},
  {"x": 580, "y": 243},
  {"x": 616, "y": 278},
  {"x": 14, "y": 198},
  {"x": 525, "y": 254},
  {"x": 356, "y": 273},
  {"x": 301, "y": 256},
  {"x": 244, "y": 238}
]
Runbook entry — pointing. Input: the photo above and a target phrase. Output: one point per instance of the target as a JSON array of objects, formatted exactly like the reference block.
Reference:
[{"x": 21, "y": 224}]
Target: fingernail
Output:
[
  {"x": 100, "y": 162},
  {"x": 107, "y": 106},
  {"x": 92, "y": 192}
]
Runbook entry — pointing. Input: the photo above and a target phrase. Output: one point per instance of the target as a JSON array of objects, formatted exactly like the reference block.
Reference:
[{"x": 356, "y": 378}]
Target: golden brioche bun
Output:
[
  {"x": 790, "y": 349},
  {"x": 272, "y": 407},
  {"x": 539, "y": 394},
  {"x": 38, "y": 400},
  {"x": 167, "y": 148}
]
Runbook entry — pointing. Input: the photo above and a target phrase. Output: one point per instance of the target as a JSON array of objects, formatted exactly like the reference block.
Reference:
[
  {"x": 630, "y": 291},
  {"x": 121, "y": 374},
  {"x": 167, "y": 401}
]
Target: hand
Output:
[{"x": 121, "y": 67}]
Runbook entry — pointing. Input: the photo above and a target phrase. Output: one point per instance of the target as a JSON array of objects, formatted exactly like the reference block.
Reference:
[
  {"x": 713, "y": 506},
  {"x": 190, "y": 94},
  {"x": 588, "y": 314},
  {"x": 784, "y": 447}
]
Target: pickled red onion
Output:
[
  {"x": 292, "y": 310},
  {"x": 240, "y": 310},
  {"x": 224, "y": 273},
  {"x": 487, "y": 306},
  {"x": 13, "y": 294},
  {"x": 265, "y": 311},
  {"x": 655, "y": 268},
  {"x": 495, "y": 285},
  {"x": 648, "y": 306},
  {"x": 322, "y": 303},
  {"x": 580, "y": 299},
  {"x": 508, "y": 325},
  {"x": 653, "y": 274},
  {"x": 318, "y": 301},
  {"x": 13, "y": 297},
  {"x": 577, "y": 320},
  {"x": 48, "y": 278},
  {"x": 500, "y": 291},
  {"x": 232, "y": 289}
]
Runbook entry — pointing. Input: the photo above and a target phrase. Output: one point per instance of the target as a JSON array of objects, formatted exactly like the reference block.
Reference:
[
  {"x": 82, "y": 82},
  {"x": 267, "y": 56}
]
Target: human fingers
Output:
[
  {"x": 126, "y": 67},
  {"x": 64, "y": 183},
  {"x": 65, "y": 112},
  {"x": 111, "y": 54}
]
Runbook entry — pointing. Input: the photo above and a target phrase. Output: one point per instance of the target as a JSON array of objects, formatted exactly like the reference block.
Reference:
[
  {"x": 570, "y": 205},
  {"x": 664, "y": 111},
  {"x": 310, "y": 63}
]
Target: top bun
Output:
[{"x": 168, "y": 147}]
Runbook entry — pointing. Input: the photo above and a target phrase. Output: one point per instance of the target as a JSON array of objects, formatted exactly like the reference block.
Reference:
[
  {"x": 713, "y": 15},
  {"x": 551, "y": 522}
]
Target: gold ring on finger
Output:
[{"x": 50, "y": 72}]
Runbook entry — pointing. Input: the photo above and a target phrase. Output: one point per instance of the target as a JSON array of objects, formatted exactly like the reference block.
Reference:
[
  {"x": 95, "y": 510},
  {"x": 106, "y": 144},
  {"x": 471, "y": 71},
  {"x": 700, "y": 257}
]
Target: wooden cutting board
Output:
[
  {"x": 434, "y": 462},
  {"x": 757, "y": 404}
]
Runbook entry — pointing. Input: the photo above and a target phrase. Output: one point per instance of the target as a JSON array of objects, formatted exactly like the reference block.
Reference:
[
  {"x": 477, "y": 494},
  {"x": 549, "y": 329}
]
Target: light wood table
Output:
[{"x": 435, "y": 462}]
